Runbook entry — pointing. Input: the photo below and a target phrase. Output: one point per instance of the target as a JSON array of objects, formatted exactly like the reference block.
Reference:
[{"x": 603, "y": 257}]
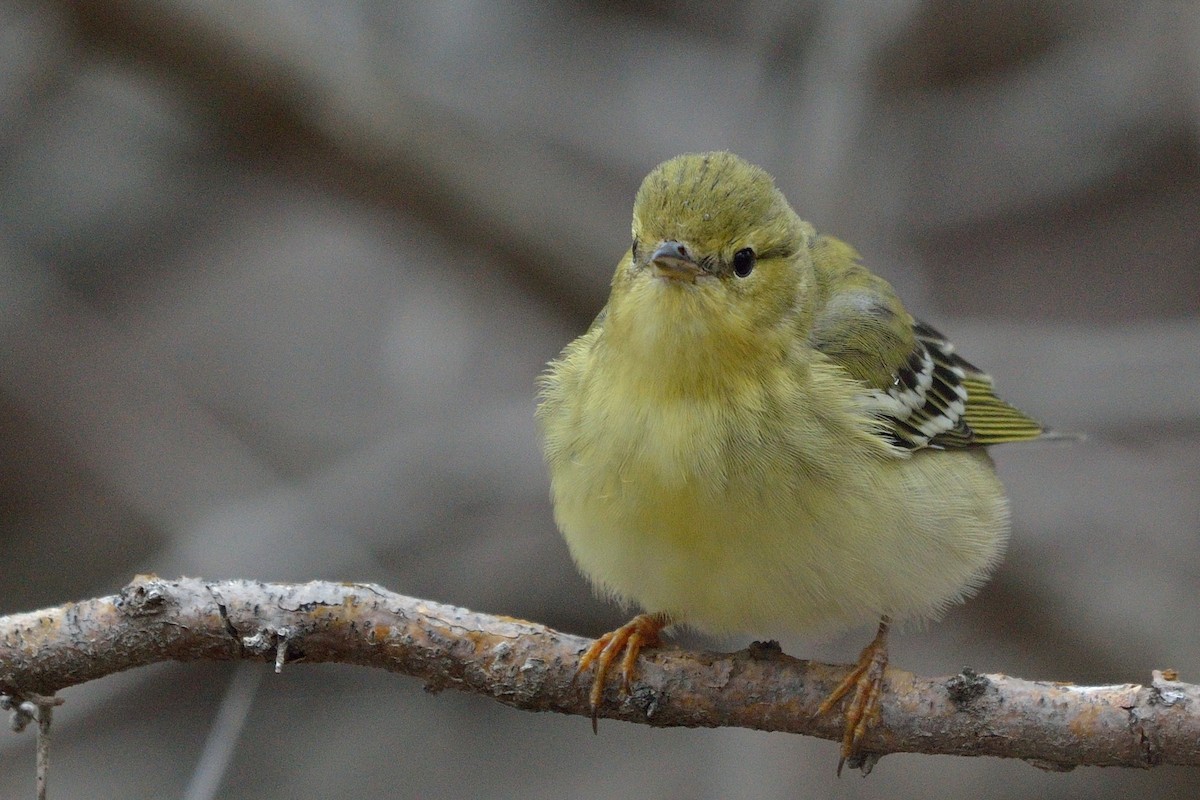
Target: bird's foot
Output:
[
  {"x": 866, "y": 679},
  {"x": 630, "y": 638}
]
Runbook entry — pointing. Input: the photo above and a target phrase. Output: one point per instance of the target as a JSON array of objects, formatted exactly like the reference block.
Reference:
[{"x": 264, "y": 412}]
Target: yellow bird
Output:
[{"x": 755, "y": 436}]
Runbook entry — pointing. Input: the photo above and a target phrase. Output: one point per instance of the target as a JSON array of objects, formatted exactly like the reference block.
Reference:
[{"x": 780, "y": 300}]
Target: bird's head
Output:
[{"x": 718, "y": 258}]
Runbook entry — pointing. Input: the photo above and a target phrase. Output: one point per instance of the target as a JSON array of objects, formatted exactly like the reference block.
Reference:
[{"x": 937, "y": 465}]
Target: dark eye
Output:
[
  {"x": 743, "y": 262},
  {"x": 633, "y": 250}
]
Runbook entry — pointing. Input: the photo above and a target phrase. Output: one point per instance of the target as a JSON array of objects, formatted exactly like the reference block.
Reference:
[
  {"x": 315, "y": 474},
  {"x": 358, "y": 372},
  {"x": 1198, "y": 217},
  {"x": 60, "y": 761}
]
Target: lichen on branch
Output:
[{"x": 529, "y": 666}]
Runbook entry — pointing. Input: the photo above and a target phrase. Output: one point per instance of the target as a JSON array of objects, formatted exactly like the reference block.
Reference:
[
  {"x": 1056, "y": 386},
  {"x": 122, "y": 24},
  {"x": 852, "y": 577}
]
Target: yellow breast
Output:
[{"x": 726, "y": 510}]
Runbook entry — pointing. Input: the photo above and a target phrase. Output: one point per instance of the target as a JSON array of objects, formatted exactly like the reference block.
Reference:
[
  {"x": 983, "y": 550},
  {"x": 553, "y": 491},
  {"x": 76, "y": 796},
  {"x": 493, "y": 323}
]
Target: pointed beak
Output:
[{"x": 673, "y": 260}]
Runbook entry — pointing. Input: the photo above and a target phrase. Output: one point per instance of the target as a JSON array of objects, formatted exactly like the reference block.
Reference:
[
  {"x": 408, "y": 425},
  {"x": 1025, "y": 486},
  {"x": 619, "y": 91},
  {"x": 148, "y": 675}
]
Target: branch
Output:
[{"x": 528, "y": 666}]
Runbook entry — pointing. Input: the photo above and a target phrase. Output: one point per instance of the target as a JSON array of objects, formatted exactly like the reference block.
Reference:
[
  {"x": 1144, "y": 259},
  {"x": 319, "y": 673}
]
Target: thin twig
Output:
[
  {"x": 528, "y": 666},
  {"x": 45, "y": 714},
  {"x": 26, "y": 708}
]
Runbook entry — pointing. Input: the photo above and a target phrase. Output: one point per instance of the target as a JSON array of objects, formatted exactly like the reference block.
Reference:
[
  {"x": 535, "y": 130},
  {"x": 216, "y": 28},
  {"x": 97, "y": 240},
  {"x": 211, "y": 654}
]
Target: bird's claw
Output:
[
  {"x": 866, "y": 679},
  {"x": 629, "y": 639}
]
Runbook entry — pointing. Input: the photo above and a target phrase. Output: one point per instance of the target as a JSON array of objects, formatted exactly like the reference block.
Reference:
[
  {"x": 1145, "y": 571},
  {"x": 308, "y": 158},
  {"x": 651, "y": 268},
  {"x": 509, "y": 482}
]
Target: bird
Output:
[{"x": 755, "y": 436}]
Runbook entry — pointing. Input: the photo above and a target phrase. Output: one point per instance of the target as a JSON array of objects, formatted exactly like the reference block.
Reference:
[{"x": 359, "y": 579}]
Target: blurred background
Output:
[{"x": 277, "y": 277}]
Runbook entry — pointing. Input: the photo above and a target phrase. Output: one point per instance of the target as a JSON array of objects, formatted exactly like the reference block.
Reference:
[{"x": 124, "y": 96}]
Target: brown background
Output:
[{"x": 276, "y": 279}]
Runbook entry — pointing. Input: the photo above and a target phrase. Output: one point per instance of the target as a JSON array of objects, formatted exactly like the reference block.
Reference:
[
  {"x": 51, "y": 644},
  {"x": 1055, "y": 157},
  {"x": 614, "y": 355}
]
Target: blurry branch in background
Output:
[
  {"x": 528, "y": 666},
  {"x": 1092, "y": 92},
  {"x": 484, "y": 186}
]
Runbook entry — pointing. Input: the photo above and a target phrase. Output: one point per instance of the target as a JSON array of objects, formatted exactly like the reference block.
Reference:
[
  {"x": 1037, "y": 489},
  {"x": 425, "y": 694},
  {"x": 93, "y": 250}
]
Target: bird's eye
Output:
[
  {"x": 743, "y": 262},
  {"x": 634, "y": 249}
]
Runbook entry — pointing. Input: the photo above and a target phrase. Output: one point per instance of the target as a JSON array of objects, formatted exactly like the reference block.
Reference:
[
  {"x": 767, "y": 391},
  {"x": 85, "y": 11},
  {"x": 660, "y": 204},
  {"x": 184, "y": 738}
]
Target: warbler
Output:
[{"x": 755, "y": 436}]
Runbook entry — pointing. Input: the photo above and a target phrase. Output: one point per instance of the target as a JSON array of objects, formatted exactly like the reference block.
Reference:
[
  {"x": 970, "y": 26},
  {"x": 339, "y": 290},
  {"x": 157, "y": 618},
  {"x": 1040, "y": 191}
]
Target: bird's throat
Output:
[{"x": 676, "y": 341}]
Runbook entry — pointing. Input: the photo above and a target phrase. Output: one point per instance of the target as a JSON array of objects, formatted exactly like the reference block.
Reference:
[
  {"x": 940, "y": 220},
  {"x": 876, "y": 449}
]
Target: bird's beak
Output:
[{"x": 673, "y": 260}]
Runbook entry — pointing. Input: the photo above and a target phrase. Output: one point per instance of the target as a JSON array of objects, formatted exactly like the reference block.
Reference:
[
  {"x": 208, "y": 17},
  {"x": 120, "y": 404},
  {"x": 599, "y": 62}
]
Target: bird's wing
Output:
[{"x": 923, "y": 393}]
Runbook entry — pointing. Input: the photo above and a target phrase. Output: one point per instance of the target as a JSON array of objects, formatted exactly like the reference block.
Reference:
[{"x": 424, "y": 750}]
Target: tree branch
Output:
[{"x": 528, "y": 666}]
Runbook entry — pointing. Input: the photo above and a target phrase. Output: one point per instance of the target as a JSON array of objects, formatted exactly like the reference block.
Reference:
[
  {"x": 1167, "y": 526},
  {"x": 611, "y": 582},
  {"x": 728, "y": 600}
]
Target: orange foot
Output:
[
  {"x": 641, "y": 631},
  {"x": 866, "y": 680}
]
